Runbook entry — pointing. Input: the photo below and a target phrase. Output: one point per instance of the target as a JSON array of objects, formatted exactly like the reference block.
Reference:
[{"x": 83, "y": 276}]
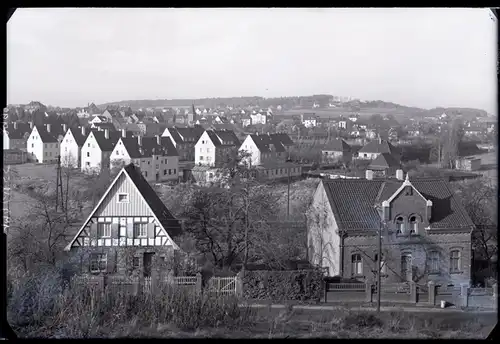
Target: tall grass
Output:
[{"x": 39, "y": 306}]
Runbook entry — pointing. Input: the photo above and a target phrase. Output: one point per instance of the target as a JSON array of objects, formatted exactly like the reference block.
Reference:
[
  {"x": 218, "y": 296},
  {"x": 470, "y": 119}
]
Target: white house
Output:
[
  {"x": 156, "y": 157},
  {"x": 214, "y": 147},
  {"x": 71, "y": 146},
  {"x": 264, "y": 149},
  {"x": 258, "y": 118},
  {"x": 96, "y": 150},
  {"x": 98, "y": 119},
  {"x": 43, "y": 143}
]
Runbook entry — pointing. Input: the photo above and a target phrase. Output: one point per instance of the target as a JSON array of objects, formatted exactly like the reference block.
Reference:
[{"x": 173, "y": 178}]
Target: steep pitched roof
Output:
[
  {"x": 108, "y": 144},
  {"x": 353, "y": 202},
  {"x": 223, "y": 138},
  {"x": 268, "y": 143},
  {"x": 337, "y": 145},
  {"x": 384, "y": 160},
  {"x": 379, "y": 147},
  {"x": 19, "y": 132},
  {"x": 284, "y": 139},
  {"x": 149, "y": 147},
  {"x": 166, "y": 220},
  {"x": 49, "y": 137},
  {"x": 77, "y": 135},
  {"x": 105, "y": 125},
  {"x": 190, "y": 134}
]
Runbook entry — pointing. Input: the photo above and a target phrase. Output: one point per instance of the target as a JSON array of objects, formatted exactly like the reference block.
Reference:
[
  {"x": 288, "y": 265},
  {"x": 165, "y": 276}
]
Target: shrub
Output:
[
  {"x": 303, "y": 285},
  {"x": 40, "y": 307},
  {"x": 362, "y": 320}
]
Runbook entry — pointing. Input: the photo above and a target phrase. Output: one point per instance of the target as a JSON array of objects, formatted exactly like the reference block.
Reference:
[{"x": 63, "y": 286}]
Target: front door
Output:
[
  {"x": 148, "y": 259},
  {"x": 157, "y": 176},
  {"x": 406, "y": 268}
]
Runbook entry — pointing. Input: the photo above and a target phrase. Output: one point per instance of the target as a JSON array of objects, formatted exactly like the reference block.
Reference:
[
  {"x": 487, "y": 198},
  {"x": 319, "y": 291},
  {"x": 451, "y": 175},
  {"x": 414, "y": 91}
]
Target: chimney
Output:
[
  {"x": 399, "y": 174},
  {"x": 158, "y": 140},
  {"x": 48, "y": 127},
  {"x": 139, "y": 140},
  {"x": 83, "y": 131},
  {"x": 428, "y": 210},
  {"x": 15, "y": 125},
  {"x": 65, "y": 127},
  {"x": 31, "y": 125},
  {"x": 106, "y": 133},
  {"x": 386, "y": 211},
  {"x": 369, "y": 174},
  {"x": 124, "y": 133}
]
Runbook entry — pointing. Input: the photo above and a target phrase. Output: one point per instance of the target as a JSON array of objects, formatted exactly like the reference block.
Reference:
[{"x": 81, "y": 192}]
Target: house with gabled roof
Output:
[
  {"x": 156, "y": 156},
  {"x": 97, "y": 148},
  {"x": 129, "y": 231},
  {"x": 15, "y": 135},
  {"x": 184, "y": 140},
  {"x": 71, "y": 146},
  {"x": 262, "y": 149},
  {"x": 103, "y": 125},
  {"x": 384, "y": 165},
  {"x": 374, "y": 148},
  {"x": 335, "y": 150},
  {"x": 215, "y": 147},
  {"x": 425, "y": 230},
  {"x": 43, "y": 143}
]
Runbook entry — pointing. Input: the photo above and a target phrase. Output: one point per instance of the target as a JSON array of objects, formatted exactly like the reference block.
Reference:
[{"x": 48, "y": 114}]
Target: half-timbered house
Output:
[{"x": 129, "y": 232}]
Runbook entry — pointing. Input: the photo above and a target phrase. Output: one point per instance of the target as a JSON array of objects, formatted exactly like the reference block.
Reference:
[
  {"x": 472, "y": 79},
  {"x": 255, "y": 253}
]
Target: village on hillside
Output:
[{"x": 211, "y": 215}]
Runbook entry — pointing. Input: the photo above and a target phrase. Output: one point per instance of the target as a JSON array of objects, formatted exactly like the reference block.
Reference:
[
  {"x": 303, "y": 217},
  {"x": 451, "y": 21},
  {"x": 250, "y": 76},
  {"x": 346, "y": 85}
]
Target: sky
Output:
[{"x": 415, "y": 57}]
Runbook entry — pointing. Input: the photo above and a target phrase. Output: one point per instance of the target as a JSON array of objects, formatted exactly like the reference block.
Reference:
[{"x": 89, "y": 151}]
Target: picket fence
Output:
[{"x": 223, "y": 285}]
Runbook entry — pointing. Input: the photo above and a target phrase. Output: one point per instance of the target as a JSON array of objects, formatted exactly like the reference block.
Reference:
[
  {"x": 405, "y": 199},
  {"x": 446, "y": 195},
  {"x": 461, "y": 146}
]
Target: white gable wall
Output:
[
  {"x": 204, "y": 151},
  {"x": 323, "y": 240},
  {"x": 91, "y": 155},
  {"x": 249, "y": 146},
  {"x": 35, "y": 146},
  {"x": 70, "y": 152}
]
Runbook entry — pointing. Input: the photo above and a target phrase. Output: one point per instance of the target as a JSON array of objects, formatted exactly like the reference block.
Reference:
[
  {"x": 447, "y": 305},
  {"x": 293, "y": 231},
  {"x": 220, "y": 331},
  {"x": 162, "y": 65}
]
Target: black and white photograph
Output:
[{"x": 250, "y": 173}]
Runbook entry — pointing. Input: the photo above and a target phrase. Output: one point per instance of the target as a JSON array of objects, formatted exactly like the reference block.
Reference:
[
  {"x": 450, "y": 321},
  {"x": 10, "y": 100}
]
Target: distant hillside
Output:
[{"x": 302, "y": 103}]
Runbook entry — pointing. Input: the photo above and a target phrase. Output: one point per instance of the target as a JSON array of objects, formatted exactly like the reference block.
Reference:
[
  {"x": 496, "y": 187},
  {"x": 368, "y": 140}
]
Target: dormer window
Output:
[{"x": 400, "y": 223}]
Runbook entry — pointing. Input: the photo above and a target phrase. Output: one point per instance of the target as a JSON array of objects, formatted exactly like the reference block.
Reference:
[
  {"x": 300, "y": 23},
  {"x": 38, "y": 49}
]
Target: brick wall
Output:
[{"x": 420, "y": 248}]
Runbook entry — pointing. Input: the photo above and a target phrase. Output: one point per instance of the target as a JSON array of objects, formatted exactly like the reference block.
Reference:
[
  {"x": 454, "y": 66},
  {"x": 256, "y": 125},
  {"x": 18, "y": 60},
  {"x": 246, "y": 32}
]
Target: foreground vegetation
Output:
[{"x": 39, "y": 306}]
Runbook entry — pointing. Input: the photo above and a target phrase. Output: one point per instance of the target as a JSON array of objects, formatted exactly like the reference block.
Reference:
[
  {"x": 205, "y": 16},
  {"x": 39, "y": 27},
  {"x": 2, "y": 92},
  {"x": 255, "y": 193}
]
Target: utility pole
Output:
[
  {"x": 379, "y": 263},
  {"x": 59, "y": 185},
  {"x": 288, "y": 197}
]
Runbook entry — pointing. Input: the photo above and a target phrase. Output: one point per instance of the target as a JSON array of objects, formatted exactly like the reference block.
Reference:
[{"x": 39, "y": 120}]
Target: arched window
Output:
[
  {"x": 455, "y": 258},
  {"x": 413, "y": 220},
  {"x": 400, "y": 222},
  {"x": 356, "y": 264}
]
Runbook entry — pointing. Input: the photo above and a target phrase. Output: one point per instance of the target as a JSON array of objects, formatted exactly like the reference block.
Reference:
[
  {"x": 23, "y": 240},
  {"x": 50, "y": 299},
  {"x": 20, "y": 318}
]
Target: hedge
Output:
[{"x": 303, "y": 285}]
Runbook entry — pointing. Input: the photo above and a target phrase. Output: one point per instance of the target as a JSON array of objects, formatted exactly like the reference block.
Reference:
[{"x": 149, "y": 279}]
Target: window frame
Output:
[
  {"x": 123, "y": 194},
  {"x": 104, "y": 230},
  {"x": 356, "y": 263},
  {"x": 433, "y": 262},
  {"x": 98, "y": 260},
  {"x": 458, "y": 259},
  {"x": 400, "y": 230},
  {"x": 138, "y": 228}
]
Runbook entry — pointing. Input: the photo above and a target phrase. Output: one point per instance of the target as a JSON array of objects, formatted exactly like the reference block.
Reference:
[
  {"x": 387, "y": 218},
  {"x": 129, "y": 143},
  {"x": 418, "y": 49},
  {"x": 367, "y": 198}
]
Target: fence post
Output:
[
  {"x": 368, "y": 291},
  {"x": 432, "y": 293},
  {"x": 464, "y": 292},
  {"x": 239, "y": 285},
  {"x": 413, "y": 292},
  {"x": 198, "y": 282},
  {"x": 495, "y": 294},
  {"x": 325, "y": 286}
]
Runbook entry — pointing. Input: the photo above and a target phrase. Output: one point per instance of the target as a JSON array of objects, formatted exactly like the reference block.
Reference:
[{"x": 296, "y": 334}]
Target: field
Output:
[{"x": 364, "y": 113}]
